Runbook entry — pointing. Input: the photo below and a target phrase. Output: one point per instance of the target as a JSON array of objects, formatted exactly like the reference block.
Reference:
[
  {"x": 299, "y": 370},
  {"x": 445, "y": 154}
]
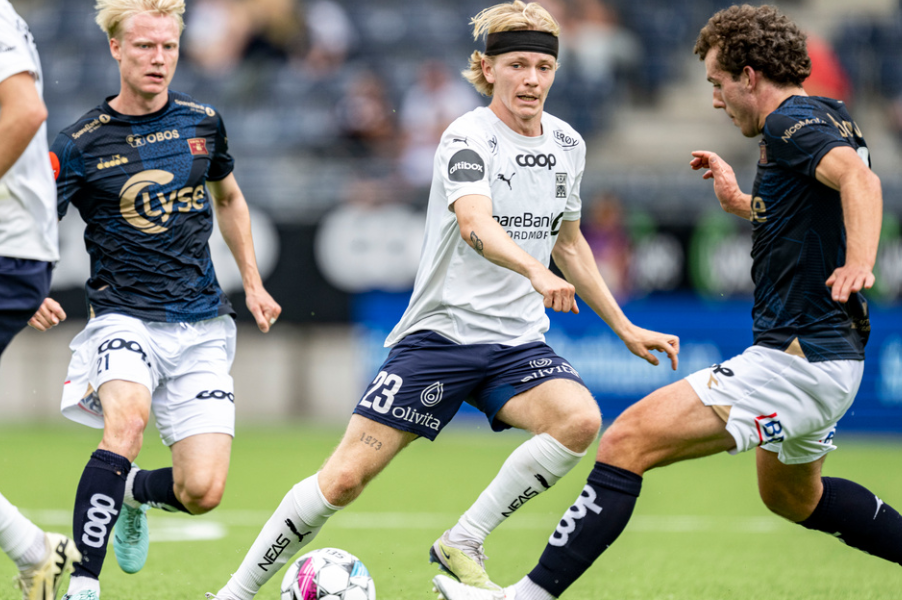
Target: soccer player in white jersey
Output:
[
  {"x": 28, "y": 249},
  {"x": 504, "y": 200}
]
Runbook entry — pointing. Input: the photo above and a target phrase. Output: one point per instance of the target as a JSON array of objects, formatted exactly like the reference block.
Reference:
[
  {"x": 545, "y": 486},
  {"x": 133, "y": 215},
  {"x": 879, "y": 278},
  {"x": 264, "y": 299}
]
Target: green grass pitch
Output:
[{"x": 699, "y": 531}]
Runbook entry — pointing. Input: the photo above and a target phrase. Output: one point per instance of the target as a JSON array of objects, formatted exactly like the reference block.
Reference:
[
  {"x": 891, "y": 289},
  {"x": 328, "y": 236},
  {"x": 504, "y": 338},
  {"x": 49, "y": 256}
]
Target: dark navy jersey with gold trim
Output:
[
  {"x": 138, "y": 182},
  {"x": 798, "y": 233}
]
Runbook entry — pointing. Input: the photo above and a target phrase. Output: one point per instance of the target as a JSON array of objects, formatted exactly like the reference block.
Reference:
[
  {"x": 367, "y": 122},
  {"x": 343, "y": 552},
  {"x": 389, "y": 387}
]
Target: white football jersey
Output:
[
  {"x": 28, "y": 217},
  {"x": 533, "y": 183}
]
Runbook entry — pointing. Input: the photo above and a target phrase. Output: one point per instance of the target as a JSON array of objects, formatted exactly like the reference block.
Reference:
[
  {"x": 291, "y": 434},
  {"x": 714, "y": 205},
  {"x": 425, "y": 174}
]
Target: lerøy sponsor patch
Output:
[{"x": 466, "y": 165}]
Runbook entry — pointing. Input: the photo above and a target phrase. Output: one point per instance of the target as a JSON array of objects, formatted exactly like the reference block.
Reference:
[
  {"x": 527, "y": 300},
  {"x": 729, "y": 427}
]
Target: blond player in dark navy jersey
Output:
[
  {"x": 147, "y": 169},
  {"x": 816, "y": 209}
]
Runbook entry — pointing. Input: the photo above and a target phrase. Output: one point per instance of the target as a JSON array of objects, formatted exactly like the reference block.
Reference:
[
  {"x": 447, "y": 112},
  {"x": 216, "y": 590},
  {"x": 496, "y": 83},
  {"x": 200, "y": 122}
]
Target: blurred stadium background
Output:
[{"x": 333, "y": 109}]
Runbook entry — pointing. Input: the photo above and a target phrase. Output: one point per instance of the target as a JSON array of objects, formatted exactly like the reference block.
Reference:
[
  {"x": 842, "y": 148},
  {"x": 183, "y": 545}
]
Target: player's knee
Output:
[
  {"x": 582, "y": 428},
  {"x": 342, "y": 485},
  {"x": 621, "y": 445}
]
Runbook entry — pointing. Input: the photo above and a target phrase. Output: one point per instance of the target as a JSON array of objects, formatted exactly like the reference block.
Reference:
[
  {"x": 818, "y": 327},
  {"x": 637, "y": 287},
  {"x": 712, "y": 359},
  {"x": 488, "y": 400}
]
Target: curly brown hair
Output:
[{"x": 760, "y": 37}]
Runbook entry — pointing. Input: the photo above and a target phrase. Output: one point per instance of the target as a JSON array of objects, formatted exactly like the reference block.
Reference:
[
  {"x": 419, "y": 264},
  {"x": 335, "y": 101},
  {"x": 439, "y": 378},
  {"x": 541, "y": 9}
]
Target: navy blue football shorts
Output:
[
  {"x": 427, "y": 377},
  {"x": 23, "y": 286}
]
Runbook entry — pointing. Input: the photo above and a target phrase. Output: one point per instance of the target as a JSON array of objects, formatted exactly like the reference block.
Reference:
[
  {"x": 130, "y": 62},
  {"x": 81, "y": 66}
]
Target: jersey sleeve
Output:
[
  {"x": 573, "y": 208},
  {"x": 68, "y": 170},
  {"x": 464, "y": 164},
  {"x": 14, "y": 55},
  {"x": 221, "y": 163},
  {"x": 799, "y": 144}
]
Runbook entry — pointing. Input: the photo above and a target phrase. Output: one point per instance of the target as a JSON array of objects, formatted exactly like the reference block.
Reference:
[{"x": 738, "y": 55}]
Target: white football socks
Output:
[
  {"x": 296, "y": 521},
  {"x": 532, "y": 468},
  {"x": 527, "y": 589},
  {"x": 21, "y": 539}
]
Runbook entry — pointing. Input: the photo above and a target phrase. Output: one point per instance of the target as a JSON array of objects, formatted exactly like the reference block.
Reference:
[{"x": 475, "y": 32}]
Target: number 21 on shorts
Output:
[{"x": 388, "y": 385}]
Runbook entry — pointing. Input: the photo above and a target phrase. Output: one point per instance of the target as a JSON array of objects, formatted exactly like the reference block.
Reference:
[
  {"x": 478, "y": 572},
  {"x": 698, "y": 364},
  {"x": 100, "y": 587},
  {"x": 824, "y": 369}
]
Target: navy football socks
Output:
[
  {"x": 98, "y": 501},
  {"x": 156, "y": 488},
  {"x": 588, "y": 527},
  {"x": 859, "y": 518}
]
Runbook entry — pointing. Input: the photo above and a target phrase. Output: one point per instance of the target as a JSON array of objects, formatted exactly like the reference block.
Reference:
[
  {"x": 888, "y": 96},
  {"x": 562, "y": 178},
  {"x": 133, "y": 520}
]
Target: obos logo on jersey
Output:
[{"x": 466, "y": 165}]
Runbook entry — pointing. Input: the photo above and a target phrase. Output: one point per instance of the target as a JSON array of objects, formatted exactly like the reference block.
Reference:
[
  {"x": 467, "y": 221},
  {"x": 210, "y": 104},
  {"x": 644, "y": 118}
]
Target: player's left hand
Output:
[
  {"x": 848, "y": 279},
  {"x": 266, "y": 311},
  {"x": 49, "y": 315},
  {"x": 642, "y": 341}
]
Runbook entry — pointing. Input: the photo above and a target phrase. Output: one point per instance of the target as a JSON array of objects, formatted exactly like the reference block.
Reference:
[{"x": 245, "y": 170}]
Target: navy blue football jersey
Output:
[
  {"x": 799, "y": 238},
  {"x": 139, "y": 184}
]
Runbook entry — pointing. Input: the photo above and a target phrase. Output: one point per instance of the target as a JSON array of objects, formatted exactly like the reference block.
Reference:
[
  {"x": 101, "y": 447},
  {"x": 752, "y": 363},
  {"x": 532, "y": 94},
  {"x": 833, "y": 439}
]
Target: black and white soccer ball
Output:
[{"x": 328, "y": 574}]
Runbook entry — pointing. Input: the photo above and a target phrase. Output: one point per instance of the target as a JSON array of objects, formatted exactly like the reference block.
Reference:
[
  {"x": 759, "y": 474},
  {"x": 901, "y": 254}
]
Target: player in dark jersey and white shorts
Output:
[
  {"x": 816, "y": 213},
  {"x": 161, "y": 334},
  {"x": 504, "y": 200}
]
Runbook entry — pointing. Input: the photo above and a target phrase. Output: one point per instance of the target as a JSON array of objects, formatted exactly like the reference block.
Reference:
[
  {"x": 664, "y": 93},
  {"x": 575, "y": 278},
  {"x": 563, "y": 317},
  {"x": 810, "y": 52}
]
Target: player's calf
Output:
[{"x": 857, "y": 517}]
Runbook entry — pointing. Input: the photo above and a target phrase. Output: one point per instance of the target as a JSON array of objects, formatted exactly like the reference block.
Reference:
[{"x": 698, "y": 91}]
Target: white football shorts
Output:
[
  {"x": 185, "y": 366},
  {"x": 780, "y": 401}
]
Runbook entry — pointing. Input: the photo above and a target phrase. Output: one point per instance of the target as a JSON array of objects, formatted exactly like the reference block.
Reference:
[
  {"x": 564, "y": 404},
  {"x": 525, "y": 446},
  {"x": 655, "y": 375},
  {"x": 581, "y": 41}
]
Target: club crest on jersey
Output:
[
  {"x": 560, "y": 185},
  {"x": 466, "y": 165},
  {"x": 198, "y": 146}
]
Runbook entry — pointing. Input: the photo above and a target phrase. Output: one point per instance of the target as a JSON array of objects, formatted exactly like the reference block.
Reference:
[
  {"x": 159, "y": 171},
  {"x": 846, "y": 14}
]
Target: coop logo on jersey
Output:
[
  {"x": 138, "y": 206},
  {"x": 537, "y": 160},
  {"x": 560, "y": 185},
  {"x": 567, "y": 142},
  {"x": 770, "y": 430},
  {"x": 466, "y": 165},
  {"x": 432, "y": 395},
  {"x": 137, "y": 141},
  {"x": 198, "y": 146}
]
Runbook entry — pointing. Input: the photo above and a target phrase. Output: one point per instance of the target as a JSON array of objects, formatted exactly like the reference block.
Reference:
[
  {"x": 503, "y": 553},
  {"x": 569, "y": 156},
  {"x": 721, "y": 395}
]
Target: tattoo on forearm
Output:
[
  {"x": 476, "y": 243},
  {"x": 371, "y": 441}
]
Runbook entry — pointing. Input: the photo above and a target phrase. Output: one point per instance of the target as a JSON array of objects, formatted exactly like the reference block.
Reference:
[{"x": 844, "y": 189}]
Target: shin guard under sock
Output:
[
  {"x": 858, "y": 518},
  {"x": 588, "y": 527},
  {"x": 98, "y": 501}
]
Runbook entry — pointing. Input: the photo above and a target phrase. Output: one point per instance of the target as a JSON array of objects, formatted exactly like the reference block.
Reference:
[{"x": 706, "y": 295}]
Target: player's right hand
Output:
[
  {"x": 49, "y": 315},
  {"x": 726, "y": 188},
  {"x": 558, "y": 294}
]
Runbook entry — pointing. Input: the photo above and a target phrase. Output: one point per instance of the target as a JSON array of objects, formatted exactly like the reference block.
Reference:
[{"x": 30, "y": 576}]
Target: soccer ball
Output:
[{"x": 328, "y": 574}]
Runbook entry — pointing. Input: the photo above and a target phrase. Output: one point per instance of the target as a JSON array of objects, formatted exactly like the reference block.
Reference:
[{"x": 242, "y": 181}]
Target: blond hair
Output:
[
  {"x": 512, "y": 16},
  {"x": 111, "y": 14}
]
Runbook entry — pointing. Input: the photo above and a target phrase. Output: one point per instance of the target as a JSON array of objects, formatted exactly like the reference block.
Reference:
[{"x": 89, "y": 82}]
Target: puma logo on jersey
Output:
[{"x": 507, "y": 180}]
